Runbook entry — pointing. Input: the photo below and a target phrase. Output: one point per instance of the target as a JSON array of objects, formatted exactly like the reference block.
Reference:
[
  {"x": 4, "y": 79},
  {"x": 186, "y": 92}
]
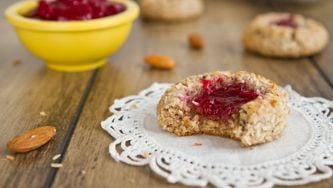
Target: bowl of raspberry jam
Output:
[
  {"x": 73, "y": 35},
  {"x": 69, "y": 10}
]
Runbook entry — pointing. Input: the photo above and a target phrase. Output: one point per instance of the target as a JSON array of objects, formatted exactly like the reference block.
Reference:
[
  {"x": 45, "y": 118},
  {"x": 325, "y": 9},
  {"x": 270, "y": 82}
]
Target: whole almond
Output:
[
  {"x": 160, "y": 61},
  {"x": 32, "y": 139},
  {"x": 196, "y": 41}
]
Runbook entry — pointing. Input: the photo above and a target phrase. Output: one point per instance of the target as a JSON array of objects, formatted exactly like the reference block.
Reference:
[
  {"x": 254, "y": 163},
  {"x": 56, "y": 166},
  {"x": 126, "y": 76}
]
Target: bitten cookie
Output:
[
  {"x": 285, "y": 35},
  {"x": 171, "y": 10},
  {"x": 241, "y": 105}
]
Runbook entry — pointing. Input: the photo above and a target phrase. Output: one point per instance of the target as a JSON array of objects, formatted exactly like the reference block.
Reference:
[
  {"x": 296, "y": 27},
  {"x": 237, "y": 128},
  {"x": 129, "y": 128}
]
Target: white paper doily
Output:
[{"x": 303, "y": 154}]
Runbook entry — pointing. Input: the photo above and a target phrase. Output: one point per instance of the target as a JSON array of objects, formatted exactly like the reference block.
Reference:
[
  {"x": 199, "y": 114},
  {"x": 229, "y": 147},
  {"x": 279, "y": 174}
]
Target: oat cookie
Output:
[
  {"x": 241, "y": 105},
  {"x": 285, "y": 35},
  {"x": 171, "y": 10}
]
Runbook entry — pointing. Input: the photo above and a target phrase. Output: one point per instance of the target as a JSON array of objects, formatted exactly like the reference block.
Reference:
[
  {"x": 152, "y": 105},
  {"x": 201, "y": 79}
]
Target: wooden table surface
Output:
[{"x": 76, "y": 103}]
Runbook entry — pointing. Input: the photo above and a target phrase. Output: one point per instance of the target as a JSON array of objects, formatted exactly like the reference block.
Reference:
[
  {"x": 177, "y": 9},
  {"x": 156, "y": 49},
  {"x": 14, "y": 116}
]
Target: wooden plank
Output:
[
  {"x": 87, "y": 161},
  {"x": 322, "y": 12},
  {"x": 26, "y": 89}
]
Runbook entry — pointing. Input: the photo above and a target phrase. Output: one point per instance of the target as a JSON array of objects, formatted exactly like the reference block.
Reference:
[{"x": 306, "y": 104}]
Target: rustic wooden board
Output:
[
  {"x": 26, "y": 89},
  {"x": 87, "y": 163}
]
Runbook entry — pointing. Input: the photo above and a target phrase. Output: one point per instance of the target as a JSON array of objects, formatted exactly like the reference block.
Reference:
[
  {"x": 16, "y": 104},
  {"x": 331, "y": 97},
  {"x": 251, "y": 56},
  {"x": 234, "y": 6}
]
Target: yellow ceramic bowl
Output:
[{"x": 72, "y": 45}]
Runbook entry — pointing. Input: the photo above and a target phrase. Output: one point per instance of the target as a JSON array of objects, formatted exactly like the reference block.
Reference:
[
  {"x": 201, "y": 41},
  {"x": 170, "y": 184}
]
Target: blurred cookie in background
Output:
[
  {"x": 171, "y": 10},
  {"x": 285, "y": 35}
]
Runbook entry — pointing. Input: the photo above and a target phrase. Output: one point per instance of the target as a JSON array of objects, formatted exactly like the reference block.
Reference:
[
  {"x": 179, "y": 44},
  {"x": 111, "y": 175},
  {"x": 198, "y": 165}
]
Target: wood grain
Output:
[
  {"x": 26, "y": 89},
  {"x": 87, "y": 161}
]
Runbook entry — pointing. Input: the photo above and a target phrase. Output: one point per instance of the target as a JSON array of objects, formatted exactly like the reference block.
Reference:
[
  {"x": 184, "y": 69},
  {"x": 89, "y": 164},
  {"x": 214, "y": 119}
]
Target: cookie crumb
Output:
[
  {"x": 196, "y": 144},
  {"x": 134, "y": 106},
  {"x": 17, "y": 62},
  {"x": 56, "y": 165},
  {"x": 131, "y": 180},
  {"x": 146, "y": 154},
  {"x": 274, "y": 103},
  {"x": 10, "y": 158},
  {"x": 56, "y": 157},
  {"x": 42, "y": 113}
]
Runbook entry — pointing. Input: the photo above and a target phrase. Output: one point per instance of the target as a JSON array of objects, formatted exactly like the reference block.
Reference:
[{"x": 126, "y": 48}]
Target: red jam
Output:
[
  {"x": 287, "y": 22},
  {"x": 65, "y": 10},
  {"x": 219, "y": 101}
]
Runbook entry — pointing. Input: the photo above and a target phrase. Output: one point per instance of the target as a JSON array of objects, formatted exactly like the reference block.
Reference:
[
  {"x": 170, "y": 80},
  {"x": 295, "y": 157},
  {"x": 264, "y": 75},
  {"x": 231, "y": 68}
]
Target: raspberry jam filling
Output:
[
  {"x": 218, "y": 100},
  {"x": 287, "y": 22},
  {"x": 66, "y": 10}
]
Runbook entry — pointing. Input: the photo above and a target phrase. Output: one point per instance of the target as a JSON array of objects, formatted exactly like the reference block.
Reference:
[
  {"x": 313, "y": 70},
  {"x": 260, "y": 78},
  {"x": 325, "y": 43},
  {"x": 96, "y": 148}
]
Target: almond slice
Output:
[
  {"x": 56, "y": 157},
  {"x": 10, "y": 158},
  {"x": 42, "y": 113},
  {"x": 56, "y": 165},
  {"x": 32, "y": 139}
]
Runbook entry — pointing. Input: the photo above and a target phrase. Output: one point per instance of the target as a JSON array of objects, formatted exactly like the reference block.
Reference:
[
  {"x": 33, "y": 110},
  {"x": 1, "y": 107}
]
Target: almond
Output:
[
  {"x": 196, "y": 41},
  {"x": 160, "y": 61},
  {"x": 32, "y": 139}
]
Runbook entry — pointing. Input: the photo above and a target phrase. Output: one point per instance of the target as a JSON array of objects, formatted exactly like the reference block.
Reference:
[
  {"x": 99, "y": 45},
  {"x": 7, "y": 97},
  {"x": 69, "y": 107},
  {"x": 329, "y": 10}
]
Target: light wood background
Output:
[{"x": 76, "y": 103}]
